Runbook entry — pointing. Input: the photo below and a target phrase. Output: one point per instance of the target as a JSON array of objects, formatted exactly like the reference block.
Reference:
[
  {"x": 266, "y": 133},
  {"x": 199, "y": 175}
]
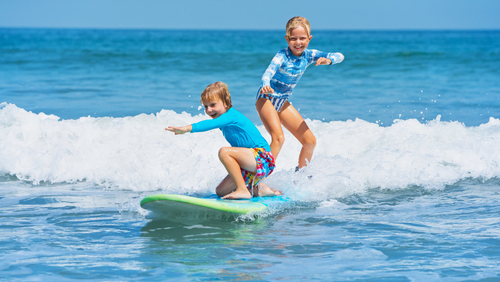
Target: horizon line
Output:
[{"x": 251, "y": 29}]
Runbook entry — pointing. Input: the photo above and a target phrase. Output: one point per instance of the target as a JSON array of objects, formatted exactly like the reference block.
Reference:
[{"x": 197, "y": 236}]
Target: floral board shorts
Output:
[{"x": 265, "y": 166}]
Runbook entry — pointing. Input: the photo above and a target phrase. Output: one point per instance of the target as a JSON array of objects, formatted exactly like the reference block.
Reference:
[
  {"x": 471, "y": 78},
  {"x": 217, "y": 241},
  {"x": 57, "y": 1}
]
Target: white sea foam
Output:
[{"x": 136, "y": 153}]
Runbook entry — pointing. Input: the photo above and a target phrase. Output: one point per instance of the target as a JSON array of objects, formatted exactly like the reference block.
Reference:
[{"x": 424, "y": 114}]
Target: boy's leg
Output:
[
  {"x": 272, "y": 123},
  {"x": 294, "y": 122},
  {"x": 233, "y": 159},
  {"x": 266, "y": 191},
  {"x": 226, "y": 186}
]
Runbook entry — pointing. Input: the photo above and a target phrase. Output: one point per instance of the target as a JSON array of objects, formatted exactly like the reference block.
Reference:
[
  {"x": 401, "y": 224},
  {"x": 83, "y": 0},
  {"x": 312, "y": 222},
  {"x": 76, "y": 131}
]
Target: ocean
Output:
[{"x": 405, "y": 179}]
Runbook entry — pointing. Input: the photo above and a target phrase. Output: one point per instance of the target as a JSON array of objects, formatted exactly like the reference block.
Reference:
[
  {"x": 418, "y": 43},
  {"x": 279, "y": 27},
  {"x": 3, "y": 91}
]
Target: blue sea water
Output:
[{"x": 406, "y": 172}]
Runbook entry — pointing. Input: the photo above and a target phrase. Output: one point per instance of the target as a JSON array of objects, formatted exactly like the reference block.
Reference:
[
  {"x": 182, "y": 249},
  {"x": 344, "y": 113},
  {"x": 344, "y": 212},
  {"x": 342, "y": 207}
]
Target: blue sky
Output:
[{"x": 257, "y": 14}]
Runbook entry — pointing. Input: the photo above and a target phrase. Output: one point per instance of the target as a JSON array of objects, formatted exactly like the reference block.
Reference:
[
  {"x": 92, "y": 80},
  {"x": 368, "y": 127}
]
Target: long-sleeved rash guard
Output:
[
  {"x": 238, "y": 130},
  {"x": 286, "y": 69}
]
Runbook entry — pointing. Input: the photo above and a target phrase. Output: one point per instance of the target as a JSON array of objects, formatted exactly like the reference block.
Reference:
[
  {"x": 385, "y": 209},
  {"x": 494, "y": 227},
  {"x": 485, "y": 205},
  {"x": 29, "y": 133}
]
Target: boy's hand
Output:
[
  {"x": 179, "y": 129},
  {"x": 323, "y": 61},
  {"x": 266, "y": 90}
]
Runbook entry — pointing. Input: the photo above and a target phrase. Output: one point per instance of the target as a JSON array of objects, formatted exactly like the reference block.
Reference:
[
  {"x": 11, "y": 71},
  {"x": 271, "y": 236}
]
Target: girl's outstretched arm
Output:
[
  {"x": 323, "y": 61},
  {"x": 324, "y": 58},
  {"x": 180, "y": 129}
]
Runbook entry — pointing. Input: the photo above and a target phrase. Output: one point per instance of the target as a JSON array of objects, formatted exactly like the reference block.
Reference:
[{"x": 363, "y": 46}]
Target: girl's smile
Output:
[{"x": 298, "y": 41}]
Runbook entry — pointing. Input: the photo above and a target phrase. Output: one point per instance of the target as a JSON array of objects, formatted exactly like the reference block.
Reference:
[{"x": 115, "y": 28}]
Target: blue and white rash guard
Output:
[
  {"x": 238, "y": 130},
  {"x": 286, "y": 69}
]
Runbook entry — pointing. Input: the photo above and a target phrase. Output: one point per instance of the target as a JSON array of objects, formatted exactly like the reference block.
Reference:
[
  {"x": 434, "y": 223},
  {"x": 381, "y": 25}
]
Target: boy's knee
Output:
[
  {"x": 223, "y": 152},
  {"x": 219, "y": 192}
]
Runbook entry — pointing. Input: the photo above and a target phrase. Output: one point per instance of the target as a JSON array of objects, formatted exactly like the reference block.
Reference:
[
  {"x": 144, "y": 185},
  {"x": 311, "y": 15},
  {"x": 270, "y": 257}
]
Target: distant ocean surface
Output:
[{"x": 405, "y": 177}]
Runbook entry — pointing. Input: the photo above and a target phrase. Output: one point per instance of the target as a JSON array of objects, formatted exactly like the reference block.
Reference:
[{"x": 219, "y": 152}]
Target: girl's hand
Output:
[
  {"x": 323, "y": 61},
  {"x": 179, "y": 129},
  {"x": 266, "y": 90}
]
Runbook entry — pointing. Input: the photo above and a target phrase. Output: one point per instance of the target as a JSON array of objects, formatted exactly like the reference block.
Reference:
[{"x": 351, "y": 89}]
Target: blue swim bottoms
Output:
[{"x": 276, "y": 101}]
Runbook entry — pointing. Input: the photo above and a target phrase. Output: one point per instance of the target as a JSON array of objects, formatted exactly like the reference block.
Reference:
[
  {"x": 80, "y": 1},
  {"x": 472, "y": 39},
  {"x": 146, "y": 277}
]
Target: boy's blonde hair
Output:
[
  {"x": 298, "y": 22},
  {"x": 217, "y": 91}
]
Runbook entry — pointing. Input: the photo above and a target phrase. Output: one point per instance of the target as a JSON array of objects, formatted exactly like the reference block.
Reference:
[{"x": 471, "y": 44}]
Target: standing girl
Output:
[{"x": 278, "y": 81}]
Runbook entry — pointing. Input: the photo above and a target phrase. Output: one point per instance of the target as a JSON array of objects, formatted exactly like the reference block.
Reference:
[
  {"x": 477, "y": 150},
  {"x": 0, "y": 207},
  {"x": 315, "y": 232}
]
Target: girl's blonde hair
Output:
[
  {"x": 217, "y": 91},
  {"x": 298, "y": 22}
]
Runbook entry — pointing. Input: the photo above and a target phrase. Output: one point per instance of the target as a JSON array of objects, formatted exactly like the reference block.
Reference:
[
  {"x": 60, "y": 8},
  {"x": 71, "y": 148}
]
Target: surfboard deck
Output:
[{"x": 173, "y": 205}]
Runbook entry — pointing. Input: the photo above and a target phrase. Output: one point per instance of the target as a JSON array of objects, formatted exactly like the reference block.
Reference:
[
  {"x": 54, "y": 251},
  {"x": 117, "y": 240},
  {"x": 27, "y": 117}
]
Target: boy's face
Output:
[
  {"x": 214, "y": 108},
  {"x": 298, "y": 40}
]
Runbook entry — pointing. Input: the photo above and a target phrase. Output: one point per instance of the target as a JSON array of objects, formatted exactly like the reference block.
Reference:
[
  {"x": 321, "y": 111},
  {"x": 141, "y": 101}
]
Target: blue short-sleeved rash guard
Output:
[
  {"x": 286, "y": 69},
  {"x": 238, "y": 130}
]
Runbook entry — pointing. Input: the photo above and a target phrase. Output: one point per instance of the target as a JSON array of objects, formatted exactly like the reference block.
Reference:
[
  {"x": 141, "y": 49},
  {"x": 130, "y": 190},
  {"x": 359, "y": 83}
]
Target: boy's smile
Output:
[
  {"x": 298, "y": 41},
  {"x": 215, "y": 108}
]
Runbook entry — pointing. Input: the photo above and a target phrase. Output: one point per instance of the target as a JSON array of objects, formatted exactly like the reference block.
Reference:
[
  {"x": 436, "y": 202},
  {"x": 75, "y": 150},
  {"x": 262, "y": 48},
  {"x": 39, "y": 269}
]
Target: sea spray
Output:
[{"x": 136, "y": 153}]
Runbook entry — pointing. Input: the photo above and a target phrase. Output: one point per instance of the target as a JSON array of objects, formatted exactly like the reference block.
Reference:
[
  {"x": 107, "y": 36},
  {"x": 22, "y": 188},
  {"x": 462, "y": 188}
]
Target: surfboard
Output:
[{"x": 173, "y": 205}]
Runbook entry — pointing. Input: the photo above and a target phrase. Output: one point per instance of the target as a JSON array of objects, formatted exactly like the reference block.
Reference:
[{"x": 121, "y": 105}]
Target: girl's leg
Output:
[
  {"x": 272, "y": 123},
  {"x": 234, "y": 158},
  {"x": 294, "y": 122}
]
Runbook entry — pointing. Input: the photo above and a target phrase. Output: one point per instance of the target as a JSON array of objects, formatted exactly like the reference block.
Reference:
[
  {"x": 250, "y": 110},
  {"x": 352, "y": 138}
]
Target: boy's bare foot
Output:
[
  {"x": 266, "y": 191},
  {"x": 236, "y": 195}
]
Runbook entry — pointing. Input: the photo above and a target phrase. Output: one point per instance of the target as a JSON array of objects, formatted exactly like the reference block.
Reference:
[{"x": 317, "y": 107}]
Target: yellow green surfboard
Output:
[{"x": 173, "y": 204}]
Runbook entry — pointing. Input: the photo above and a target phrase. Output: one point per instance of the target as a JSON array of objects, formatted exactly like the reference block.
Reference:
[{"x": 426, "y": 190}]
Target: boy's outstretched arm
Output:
[{"x": 180, "y": 129}]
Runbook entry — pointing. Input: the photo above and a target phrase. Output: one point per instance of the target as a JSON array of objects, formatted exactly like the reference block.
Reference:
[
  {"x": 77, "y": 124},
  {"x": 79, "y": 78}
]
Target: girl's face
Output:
[
  {"x": 214, "y": 108},
  {"x": 298, "y": 40}
]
